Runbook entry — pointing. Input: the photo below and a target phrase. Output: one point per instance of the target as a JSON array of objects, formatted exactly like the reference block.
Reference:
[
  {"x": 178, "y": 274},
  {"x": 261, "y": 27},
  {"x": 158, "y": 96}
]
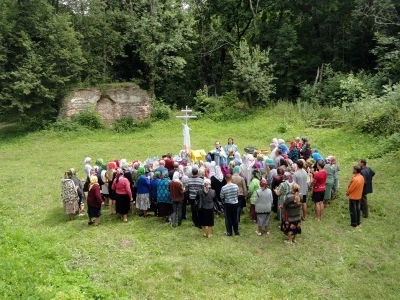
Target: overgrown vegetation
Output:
[
  {"x": 160, "y": 111},
  {"x": 128, "y": 124}
]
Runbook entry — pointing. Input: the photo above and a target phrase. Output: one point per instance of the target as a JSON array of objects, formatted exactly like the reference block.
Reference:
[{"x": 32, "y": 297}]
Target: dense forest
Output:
[{"x": 327, "y": 52}]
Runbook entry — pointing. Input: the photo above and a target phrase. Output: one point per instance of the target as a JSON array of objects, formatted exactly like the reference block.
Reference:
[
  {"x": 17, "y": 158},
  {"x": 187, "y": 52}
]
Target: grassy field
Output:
[{"x": 43, "y": 256}]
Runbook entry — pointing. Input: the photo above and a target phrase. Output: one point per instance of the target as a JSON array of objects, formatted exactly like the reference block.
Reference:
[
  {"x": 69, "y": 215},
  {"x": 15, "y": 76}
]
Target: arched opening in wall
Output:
[{"x": 106, "y": 108}]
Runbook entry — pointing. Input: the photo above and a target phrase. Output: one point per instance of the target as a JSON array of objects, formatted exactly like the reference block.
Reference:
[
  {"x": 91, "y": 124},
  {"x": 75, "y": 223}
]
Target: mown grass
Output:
[{"x": 45, "y": 257}]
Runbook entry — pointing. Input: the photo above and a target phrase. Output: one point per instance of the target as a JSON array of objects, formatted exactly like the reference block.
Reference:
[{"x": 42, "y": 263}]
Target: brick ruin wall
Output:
[{"x": 111, "y": 104}]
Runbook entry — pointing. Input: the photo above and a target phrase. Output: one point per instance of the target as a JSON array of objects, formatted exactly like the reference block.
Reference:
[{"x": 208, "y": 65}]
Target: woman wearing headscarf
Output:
[
  {"x": 336, "y": 169},
  {"x": 276, "y": 181},
  {"x": 79, "y": 190},
  {"x": 283, "y": 190},
  {"x": 211, "y": 168},
  {"x": 238, "y": 160},
  {"x": 176, "y": 191},
  {"x": 123, "y": 195},
  {"x": 69, "y": 195},
  {"x": 110, "y": 176},
  {"x": 88, "y": 171},
  {"x": 263, "y": 204},
  {"x": 291, "y": 222},
  {"x": 143, "y": 192},
  {"x": 153, "y": 192},
  {"x": 253, "y": 187},
  {"x": 205, "y": 199},
  {"x": 305, "y": 151},
  {"x": 94, "y": 201},
  {"x": 163, "y": 197},
  {"x": 217, "y": 182},
  {"x": 329, "y": 182}
]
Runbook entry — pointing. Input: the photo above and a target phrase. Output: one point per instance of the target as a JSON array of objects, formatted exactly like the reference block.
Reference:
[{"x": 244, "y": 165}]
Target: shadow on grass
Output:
[{"x": 13, "y": 131}]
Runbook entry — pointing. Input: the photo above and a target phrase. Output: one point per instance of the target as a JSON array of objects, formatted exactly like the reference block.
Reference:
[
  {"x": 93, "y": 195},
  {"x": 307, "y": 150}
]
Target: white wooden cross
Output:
[{"x": 186, "y": 129}]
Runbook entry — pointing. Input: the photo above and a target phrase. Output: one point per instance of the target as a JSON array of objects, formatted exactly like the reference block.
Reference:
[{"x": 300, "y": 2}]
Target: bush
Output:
[
  {"x": 88, "y": 118},
  {"x": 387, "y": 145},
  {"x": 226, "y": 107},
  {"x": 161, "y": 111},
  {"x": 64, "y": 126},
  {"x": 128, "y": 124}
]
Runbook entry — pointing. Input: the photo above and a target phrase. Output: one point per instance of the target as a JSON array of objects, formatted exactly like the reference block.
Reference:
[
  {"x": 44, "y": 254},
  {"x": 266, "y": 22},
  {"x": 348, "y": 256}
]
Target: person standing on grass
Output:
[
  {"x": 153, "y": 192},
  {"x": 194, "y": 184},
  {"x": 336, "y": 169},
  {"x": 300, "y": 177},
  {"x": 282, "y": 191},
  {"x": 368, "y": 174},
  {"x": 263, "y": 203},
  {"x": 229, "y": 194},
  {"x": 69, "y": 195},
  {"x": 88, "y": 171},
  {"x": 253, "y": 187},
  {"x": 276, "y": 181},
  {"x": 318, "y": 184},
  {"x": 355, "y": 192},
  {"x": 217, "y": 182},
  {"x": 240, "y": 182},
  {"x": 329, "y": 182},
  {"x": 79, "y": 190},
  {"x": 176, "y": 190},
  {"x": 205, "y": 200},
  {"x": 143, "y": 192},
  {"x": 110, "y": 176},
  {"x": 123, "y": 195},
  {"x": 291, "y": 221},
  {"x": 94, "y": 201},
  {"x": 163, "y": 197}
]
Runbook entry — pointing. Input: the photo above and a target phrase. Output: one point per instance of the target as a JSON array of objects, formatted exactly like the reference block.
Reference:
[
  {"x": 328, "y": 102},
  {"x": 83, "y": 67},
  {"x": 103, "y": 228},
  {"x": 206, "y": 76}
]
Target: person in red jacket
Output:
[
  {"x": 94, "y": 201},
  {"x": 355, "y": 193},
  {"x": 318, "y": 183}
]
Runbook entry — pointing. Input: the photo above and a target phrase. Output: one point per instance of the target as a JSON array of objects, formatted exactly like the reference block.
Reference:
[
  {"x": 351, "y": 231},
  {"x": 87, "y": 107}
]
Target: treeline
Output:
[{"x": 188, "y": 52}]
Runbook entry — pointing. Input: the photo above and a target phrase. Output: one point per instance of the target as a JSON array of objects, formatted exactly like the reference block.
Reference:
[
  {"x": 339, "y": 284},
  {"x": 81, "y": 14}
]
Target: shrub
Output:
[
  {"x": 387, "y": 145},
  {"x": 88, "y": 118},
  {"x": 63, "y": 125},
  {"x": 128, "y": 124},
  {"x": 161, "y": 111}
]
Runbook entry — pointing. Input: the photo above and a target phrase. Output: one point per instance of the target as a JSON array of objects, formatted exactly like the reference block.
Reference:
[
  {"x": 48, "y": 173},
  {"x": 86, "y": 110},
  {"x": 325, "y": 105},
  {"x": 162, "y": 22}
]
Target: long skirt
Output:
[
  {"x": 71, "y": 206},
  {"x": 292, "y": 228},
  {"x": 164, "y": 209},
  {"x": 143, "y": 201},
  {"x": 206, "y": 217},
  {"x": 94, "y": 212},
  {"x": 328, "y": 191},
  {"x": 122, "y": 204},
  {"x": 263, "y": 219}
]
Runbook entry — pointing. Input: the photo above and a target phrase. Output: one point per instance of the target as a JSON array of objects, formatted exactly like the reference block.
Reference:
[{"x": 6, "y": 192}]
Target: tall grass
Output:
[{"x": 46, "y": 257}]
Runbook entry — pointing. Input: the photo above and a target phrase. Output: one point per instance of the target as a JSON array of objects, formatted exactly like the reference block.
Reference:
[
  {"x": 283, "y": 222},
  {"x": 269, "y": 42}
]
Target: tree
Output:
[
  {"x": 252, "y": 73},
  {"x": 162, "y": 31},
  {"x": 42, "y": 61}
]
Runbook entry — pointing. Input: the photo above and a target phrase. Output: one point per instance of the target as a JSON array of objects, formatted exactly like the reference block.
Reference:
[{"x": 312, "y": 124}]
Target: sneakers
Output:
[{"x": 258, "y": 233}]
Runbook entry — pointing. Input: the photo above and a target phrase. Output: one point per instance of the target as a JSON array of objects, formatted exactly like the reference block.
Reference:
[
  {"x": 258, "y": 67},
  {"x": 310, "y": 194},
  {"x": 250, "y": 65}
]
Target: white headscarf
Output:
[
  {"x": 237, "y": 157},
  {"x": 175, "y": 177},
  {"x": 218, "y": 173},
  {"x": 275, "y": 141}
]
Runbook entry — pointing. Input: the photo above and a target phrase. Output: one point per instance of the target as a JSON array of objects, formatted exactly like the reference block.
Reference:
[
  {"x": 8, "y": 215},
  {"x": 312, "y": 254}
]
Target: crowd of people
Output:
[{"x": 277, "y": 181}]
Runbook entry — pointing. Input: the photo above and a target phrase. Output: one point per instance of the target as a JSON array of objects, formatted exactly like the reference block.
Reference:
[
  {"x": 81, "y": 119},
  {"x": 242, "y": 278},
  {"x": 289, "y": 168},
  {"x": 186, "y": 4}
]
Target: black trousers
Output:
[
  {"x": 231, "y": 218},
  {"x": 184, "y": 204},
  {"x": 354, "y": 208},
  {"x": 364, "y": 206},
  {"x": 195, "y": 213}
]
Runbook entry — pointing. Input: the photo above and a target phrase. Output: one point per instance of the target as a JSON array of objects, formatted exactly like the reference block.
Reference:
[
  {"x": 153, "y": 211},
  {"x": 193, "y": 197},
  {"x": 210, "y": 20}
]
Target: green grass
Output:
[{"x": 45, "y": 257}]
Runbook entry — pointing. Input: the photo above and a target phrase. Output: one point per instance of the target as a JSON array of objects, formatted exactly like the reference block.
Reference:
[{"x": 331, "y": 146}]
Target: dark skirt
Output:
[
  {"x": 164, "y": 209},
  {"x": 122, "y": 204},
  {"x": 86, "y": 185},
  {"x": 94, "y": 212},
  {"x": 206, "y": 217},
  {"x": 253, "y": 214},
  {"x": 291, "y": 227}
]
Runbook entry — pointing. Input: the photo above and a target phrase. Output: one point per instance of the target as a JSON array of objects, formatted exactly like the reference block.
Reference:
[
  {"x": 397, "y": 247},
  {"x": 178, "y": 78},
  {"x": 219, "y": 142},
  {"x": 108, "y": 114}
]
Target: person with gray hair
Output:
[{"x": 205, "y": 203}]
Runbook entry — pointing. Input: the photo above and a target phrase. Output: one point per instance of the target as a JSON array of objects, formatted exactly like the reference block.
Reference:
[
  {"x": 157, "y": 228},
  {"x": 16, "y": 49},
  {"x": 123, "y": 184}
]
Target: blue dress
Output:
[{"x": 163, "y": 198}]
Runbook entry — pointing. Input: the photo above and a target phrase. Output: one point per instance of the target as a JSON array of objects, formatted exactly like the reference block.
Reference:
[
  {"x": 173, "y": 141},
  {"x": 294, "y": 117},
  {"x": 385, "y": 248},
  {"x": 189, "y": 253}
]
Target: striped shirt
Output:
[
  {"x": 229, "y": 193},
  {"x": 193, "y": 185}
]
